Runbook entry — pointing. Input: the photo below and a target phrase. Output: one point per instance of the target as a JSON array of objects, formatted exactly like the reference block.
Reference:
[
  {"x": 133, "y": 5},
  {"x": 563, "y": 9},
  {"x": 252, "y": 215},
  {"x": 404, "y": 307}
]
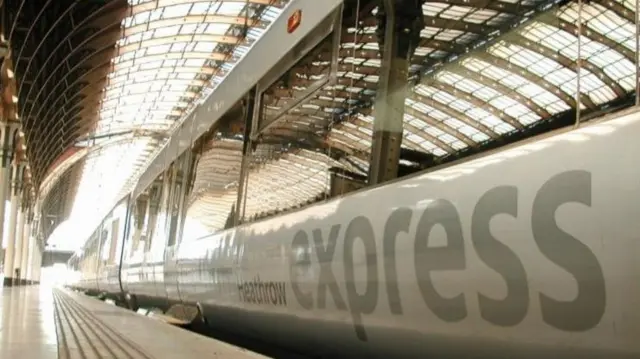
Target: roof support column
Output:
[
  {"x": 37, "y": 242},
  {"x": 31, "y": 245},
  {"x": 637, "y": 19},
  {"x": 37, "y": 263},
  {"x": 19, "y": 243},
  {"x": 399, "y": 25},
  {"x": 4, "y": 181},
  {"x": 7, "y": 143},
  {"x": 24, "y": 235},
  {"x": 13, "y": 261}
]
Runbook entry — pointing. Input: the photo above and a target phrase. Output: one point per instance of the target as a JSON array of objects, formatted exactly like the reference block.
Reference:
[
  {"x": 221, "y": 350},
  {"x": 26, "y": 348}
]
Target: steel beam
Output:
[{"x": 401, "y": 22}]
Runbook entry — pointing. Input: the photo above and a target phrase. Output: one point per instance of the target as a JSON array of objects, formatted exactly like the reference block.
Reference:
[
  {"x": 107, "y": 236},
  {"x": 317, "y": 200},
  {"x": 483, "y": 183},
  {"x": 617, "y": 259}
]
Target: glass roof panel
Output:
[
  {"x": 607, "y": 23},
  {"x": 554, "y": 72},
  {"x": 613, "y": 63},
  {"x": 542, "y": 97},
  {"x": 487, "y": 93},
  {"x": 476, "y": 114}
]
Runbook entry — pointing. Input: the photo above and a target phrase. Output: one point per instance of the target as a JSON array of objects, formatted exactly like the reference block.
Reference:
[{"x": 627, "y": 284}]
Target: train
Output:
[{"x": 528, "y": 251}]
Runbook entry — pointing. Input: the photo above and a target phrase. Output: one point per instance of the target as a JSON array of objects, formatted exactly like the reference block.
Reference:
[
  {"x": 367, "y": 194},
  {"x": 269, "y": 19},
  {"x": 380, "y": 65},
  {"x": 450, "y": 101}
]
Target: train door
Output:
[
  {"x": 148, "y": 286},
  {"x": 178, "y": 178},
  {"x": 115, "y": 244},
  {"x": 141, "y": 263},
  {"x": 130, "y": 240},
  {"x": 103, "y": 257},
  {"x": 160, "y": 239}
]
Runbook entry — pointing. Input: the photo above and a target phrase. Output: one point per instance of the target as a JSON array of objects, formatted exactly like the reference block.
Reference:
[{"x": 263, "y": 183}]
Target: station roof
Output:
[
  {"x": 115, "y": 77},
  {"x": 123, "y": 73}
]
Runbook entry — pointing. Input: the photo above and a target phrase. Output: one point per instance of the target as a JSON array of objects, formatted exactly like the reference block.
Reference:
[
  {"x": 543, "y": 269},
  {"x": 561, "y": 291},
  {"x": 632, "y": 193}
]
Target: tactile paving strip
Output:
[{"x": 81, "y": 335}]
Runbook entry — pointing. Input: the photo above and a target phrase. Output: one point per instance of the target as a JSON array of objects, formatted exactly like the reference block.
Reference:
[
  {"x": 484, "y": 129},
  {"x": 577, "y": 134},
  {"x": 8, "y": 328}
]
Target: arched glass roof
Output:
[
  {"x": 473, "y": 92},
  {"x": 171, "y": 55},
  {"x": 524, "y": 76},
  {"x": 484, "y": 72}
]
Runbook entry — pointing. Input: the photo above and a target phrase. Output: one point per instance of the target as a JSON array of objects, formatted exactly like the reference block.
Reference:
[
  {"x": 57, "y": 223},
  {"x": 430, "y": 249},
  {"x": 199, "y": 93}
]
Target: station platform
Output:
[{"x": 45, "y": 323}]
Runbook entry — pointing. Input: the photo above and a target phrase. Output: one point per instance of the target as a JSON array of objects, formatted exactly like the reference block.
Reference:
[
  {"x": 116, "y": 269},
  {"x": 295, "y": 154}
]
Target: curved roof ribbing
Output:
[{"x": 89, "y": 72}]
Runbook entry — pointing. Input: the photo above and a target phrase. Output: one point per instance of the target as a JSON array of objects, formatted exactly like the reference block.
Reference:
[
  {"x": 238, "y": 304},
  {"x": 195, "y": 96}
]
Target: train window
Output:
[{"x": 115, "y": 232}]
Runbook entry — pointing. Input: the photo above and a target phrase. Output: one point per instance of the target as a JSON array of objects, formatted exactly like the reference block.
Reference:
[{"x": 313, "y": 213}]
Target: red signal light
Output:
[{"x": 294, "y": 21}]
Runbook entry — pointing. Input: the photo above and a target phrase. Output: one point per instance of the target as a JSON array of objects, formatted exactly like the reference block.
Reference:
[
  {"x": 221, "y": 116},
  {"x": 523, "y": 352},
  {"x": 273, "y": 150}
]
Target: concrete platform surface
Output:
[
  {"x": 42, "y": 323},
  {"x": 27, "y": 327}
]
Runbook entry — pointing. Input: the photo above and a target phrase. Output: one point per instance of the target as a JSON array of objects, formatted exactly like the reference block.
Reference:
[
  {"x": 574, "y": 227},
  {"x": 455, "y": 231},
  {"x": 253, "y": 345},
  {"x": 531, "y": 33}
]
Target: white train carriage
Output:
[{"x": 529, "y": 251}]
